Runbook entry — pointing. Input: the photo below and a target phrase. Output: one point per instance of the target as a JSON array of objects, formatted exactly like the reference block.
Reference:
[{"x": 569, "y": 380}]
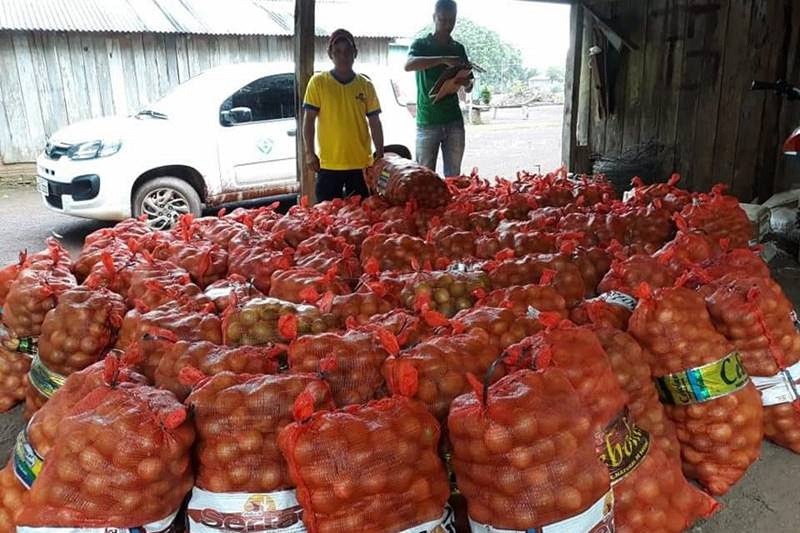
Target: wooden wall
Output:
[
  {"x": 687, "y": 87},
  {"x": 51, "y": 79}
]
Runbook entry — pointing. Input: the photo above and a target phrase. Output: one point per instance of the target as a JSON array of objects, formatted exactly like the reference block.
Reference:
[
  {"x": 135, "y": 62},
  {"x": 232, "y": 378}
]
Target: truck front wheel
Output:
[{"x": 163, "y": 200}]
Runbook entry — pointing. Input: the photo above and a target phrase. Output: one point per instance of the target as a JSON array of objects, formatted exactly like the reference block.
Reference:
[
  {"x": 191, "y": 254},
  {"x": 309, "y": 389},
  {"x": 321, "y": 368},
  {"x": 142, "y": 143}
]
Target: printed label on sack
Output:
[
  {"x": 27, "y": 463},
  {"x": 167, "y": 525},
  {"x": 43, "y": 379},
  {"x": 533, "y": 312},
  {"x": 624, "y": 447},
  {"x": 704, "y": 383},
  {"x": 445, "y": 524},
  {"x": 25, "y": 345},
  {"x": 780, "y": 388},
  {"x": 382, "y": 183},
  {"x": 619, "y": 298},
  {"x": 212, "y": 512},
  {"x": 463, "y": 267},
  {"x": 599, "y": 518}
]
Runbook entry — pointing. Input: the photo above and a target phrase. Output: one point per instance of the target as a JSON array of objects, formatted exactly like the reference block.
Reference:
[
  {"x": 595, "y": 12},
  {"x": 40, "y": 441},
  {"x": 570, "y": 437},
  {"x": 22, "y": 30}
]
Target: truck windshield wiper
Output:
[{"x": 151, "y": 113}]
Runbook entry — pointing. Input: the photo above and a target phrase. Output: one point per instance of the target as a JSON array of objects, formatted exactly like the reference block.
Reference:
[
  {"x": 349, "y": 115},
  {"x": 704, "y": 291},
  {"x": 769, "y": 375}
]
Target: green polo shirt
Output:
[{"x": 447, "y": 109}]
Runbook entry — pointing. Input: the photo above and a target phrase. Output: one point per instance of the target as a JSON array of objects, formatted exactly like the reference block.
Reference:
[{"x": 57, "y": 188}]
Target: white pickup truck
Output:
[{"x": 224, "y": 136}]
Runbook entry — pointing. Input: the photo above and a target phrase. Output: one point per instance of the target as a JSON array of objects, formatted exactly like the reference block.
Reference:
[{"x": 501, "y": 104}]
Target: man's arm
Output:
[
  {"x": 376, "y": 129},
  {"x": 415, "y": 63},
  {"x": 309, "y": 131}
]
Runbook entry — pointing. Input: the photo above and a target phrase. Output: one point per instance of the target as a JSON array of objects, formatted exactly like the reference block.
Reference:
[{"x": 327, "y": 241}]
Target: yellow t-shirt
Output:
[{"x": 342, "y": 129}]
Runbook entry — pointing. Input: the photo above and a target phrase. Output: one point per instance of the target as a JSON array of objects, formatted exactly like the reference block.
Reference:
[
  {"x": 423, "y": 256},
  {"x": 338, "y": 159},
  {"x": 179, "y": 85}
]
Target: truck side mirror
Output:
[{"x": 237, "y": 115}]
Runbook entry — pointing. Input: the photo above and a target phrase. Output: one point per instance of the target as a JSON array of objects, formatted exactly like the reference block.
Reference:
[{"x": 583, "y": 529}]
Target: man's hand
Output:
[
  {"x": 312, "y": 161},
  {"x": 452, "y": 61}
]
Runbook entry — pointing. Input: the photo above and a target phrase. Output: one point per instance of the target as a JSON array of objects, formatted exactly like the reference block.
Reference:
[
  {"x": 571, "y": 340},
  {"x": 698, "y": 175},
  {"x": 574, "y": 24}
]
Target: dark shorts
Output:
[{"x": 340, "y": 184}]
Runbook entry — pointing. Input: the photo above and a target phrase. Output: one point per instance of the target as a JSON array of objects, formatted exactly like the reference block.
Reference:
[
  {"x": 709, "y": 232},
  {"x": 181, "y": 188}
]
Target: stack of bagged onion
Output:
[
  {"x": 358, "y": 306},
  {"x": 503, "y": 326},
  {"x": 156, "y": 283},
  {"x": 447, "y": 292},
  {"x": 453, "y": 243},
  {"x": 305, "y": 285},
  {"x": 14, "y": 367},
  {"x": 400, "y": 253},
  {"x": 402, "y": 180},
  {"x": 626, "y": 276},
  {"x": 256, "y": 257},
  {"x": 233, "y": 289},
  {"x": 205, "y": 261},
  {"x": 521, "y": 299},
  {"x": 269, "y": 320}
]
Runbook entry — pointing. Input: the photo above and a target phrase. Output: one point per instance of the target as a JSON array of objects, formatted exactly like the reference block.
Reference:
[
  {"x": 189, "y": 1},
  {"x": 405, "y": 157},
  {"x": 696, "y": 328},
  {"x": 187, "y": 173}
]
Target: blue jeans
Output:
[{"x": 451, "y": 138}]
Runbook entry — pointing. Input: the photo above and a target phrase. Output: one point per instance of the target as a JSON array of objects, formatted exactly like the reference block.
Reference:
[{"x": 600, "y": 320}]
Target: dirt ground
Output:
[{"x": 766, "y": 500}]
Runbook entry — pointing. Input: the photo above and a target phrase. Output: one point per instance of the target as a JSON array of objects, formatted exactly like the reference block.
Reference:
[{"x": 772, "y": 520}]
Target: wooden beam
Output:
[
  {"x": 572, "y": 85},
  {"x": 303, "y": 70},
  {"x": 613, "y": 36}
]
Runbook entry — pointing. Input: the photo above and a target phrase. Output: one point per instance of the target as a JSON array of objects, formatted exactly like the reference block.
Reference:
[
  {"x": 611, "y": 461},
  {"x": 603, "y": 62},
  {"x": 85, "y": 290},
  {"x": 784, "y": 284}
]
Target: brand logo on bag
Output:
[
  {"x": 382, "y": 183},
  {"x": 704, "y": 383},
  {"x": 259, "y": 513},
  {"x": 26, "y": 345},
  {"x": 27, "y": 463},
  {"x": 43, "y": 379},
  {"x": 619, "y": 298},
  {"x": 624, "y": 446}
]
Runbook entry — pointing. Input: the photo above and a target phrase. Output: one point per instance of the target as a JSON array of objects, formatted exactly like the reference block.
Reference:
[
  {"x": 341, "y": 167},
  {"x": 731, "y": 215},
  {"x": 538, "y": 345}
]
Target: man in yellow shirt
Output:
[{"x": 344, "y": 103}]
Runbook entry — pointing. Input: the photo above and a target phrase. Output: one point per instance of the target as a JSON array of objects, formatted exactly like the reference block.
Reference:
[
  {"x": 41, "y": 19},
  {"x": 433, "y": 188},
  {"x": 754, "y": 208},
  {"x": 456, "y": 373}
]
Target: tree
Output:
[
  {"x": 555, "y": 73},
  {"x": 502, "y": 61}
]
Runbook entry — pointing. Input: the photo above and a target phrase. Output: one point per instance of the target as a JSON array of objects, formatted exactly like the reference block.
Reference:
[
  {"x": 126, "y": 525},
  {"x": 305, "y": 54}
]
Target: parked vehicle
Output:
[
  {"x": 224, "y": 136},
  {"x": 791, "y": 146}
]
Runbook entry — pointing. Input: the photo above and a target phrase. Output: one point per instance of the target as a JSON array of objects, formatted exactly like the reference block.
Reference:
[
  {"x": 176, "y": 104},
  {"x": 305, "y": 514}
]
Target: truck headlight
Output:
[{"x": 94, "y": 149}]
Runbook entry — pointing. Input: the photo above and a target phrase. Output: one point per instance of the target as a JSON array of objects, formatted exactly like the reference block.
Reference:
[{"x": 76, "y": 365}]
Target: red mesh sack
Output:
[
  {"x": 13, "y": 497},
  {"x": 453, "y": 243},
  {"x": 116, "y": 267},
  {"x": 401, "y": 180},
  {"x": 205, "y": 261},
  {"x": 256, "y": 257},
  {"x": 220, "y": 230},
  {"x": 350, "y": 363},
  {"x": 502, "y": 325},
  {"x": 305, "y": 285},
  {"x": 439, "y": 367},
  {"x": 130, "y": 441},
  {"x": 269, "y": 320},
  {"x": 446, "y": 292},
  {"x": 14, "y": 366},
  {"x": 720, "y": 435},
  {"x": 626, "y": 276},
  {"x": 298, "y": 224},
  {"x": 611, "y": 309},
  {"x": 346, "y": 263},
  {"x": 521, "y": 298},
  {"x": 633, "y": 374},
  {"x": 686, "y": 250},
  {"x": 647, "y": 228},
  {"x": 231, "y": 290},
  {"x": 155, "y": 283},
  {"x": 357, "y": 306},
  {"x": 755, "y": 315},
  {"x": 408, "y": 329},
  {"x": 635, "y": 461},
  {"x": 517, "y": 471},
  {"x": 720, "y": 217},
  {"x": 670, "y": 196},
  {"x": 237, "y": 449},
  {"x": 8, "y": 274},
  {"x": 742, "y": 262},
  {"x": 80, "y": 328},
  {"x": 557, "y": 270},
  {"x": 531, "y": 242},
  {"x": 399, "y": 253},
  {"x": 395, "y": 440},
  {"x": 34, "y": 292},
  {"x": 211, "y": 359},
  {"x": 110, "y": 238}
]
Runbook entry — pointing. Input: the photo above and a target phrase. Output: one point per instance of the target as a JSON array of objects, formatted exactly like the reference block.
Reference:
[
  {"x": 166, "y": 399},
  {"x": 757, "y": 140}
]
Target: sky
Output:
[{"x": 539, "y": 30}]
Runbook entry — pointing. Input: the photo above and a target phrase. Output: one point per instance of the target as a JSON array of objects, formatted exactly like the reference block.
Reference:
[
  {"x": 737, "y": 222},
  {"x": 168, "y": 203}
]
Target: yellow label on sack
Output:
[
  {"x": 43, "y": 379},
  {"x": 704, "y": 383},
  {"x": 624, "y": 447}
]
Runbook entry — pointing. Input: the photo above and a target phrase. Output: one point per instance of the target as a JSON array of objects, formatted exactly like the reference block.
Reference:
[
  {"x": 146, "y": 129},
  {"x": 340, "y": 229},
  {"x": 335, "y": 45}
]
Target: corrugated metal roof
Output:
[{"x": 216, "y": 17}]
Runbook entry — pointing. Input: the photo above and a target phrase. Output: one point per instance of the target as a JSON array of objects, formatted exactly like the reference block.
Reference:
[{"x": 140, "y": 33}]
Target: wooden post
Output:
[
  {"x": 572, "y": 85},
  {"x": 304, "y": 38}
]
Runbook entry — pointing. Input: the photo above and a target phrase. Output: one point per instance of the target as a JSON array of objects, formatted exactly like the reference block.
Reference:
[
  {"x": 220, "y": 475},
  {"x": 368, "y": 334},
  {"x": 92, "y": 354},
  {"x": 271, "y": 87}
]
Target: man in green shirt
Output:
[{"x": 440, "y": 123}]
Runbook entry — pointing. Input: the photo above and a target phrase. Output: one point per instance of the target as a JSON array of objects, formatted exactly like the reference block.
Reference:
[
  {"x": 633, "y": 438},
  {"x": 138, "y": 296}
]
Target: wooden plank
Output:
[
  {"x": 151, "y": 67},
  {"x": 735, "y": 87},
  {"x": 68, "y": 79},
  {"x": 46, "y": 94},
  {"x": 171, "y": 44},
  {"x": 101, "y": 61},
  {"x": 572, "y": 83},
  {"x": 215, "y": 52},
  {"x": 36, "y": 136},
  {"x": 160, "y": 49},
  {"x": 652, "y": 92},
  {"x": 790, "y": 112},
  {"x": 637, "y": 10},
  {"x": 304, "y": 23},
  {"x": 130, "y": 49},
  {"x": 770, "y": 140},
  {"x": 584, "y": 118},
  {"x": 615, "y": 122},
  {"x": 182, "y": 56},
  {"x": 263, "y": 47},
  {"x": 597, "y": 133},
  {"x": 79, "y": 83},
  {"x": 92, "y": 78},
  {"x": 15, "y": 129},
  {"x": 711, "y": 57},
  {"x": 52, "y": 84},
  {"x": 116, "y": 71},
  {"x": 670, "y": 78},
  {"x": 249, "y": 46}
]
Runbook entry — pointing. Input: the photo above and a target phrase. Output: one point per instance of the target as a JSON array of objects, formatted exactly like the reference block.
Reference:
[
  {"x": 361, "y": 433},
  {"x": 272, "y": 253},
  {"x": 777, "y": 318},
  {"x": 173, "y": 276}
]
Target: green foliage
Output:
[
  {"x": 502, "y": 61},
  {"x": 555, "y": 73},
  {"x": 486, "y": 96}
]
